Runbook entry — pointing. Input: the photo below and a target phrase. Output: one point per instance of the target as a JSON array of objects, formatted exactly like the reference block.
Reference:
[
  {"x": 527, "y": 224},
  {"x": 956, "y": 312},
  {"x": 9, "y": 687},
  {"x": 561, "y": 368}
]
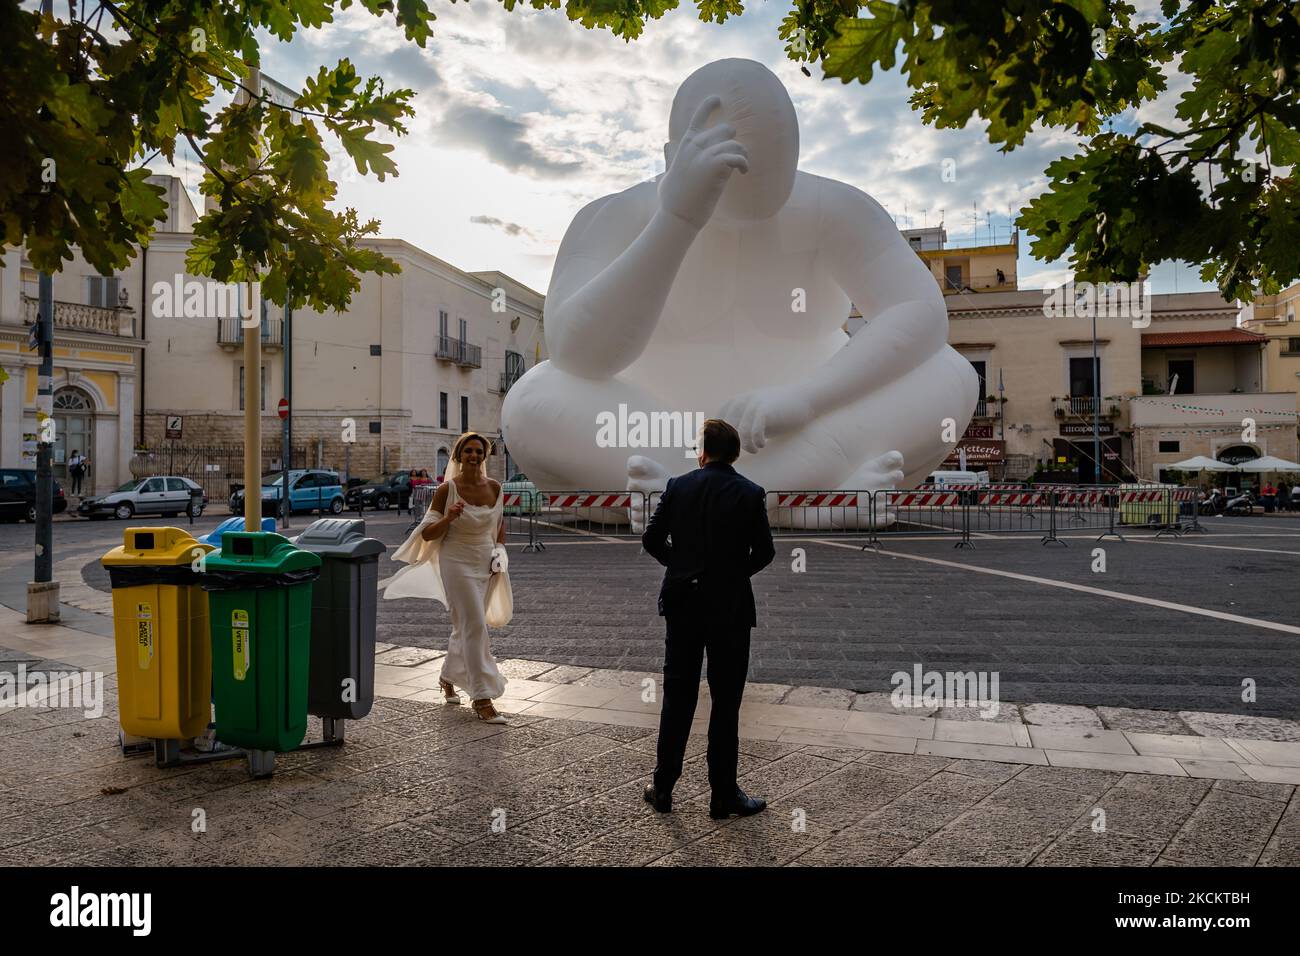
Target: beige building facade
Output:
[
  {"x": 1277, "y": 318},
  {"x": 1188, "y": 383},
  {"x": 416, "y": 359},
  {"x": 97, "y": 345}
]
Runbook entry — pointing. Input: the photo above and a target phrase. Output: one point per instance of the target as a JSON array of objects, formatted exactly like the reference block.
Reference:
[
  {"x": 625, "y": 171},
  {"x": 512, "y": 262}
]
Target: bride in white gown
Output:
[{"x": 456, "y": 556}]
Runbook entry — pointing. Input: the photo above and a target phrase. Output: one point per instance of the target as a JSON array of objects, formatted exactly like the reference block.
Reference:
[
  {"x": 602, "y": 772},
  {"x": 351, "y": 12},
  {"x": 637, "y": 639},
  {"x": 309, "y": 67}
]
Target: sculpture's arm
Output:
[
  {"x": 599, "y": 317},
  {"x": 600, "y": 314},
  {"x": 906, "y": 320}
]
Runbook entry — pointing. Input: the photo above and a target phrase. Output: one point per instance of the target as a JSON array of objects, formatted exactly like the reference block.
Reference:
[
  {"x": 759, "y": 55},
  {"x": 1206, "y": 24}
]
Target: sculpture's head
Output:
[{"x": 757, "y": 105}]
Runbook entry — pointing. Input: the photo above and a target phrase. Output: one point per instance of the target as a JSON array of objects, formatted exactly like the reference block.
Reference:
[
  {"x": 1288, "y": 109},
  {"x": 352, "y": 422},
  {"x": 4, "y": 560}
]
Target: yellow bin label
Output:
[
  {"x": 239, "y": 636},
  {"x": 144, "y": 635}
]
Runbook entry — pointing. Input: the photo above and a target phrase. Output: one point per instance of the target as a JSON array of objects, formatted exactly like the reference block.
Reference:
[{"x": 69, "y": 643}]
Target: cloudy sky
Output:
[{"x": 524, "y": 117}]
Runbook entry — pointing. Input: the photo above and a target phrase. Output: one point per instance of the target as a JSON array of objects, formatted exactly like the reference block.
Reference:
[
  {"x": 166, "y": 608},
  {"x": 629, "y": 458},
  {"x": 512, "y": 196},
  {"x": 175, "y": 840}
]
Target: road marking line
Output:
[
  {"x": 1099, "y": 592},
  {"x": 1217, "y": 547}
]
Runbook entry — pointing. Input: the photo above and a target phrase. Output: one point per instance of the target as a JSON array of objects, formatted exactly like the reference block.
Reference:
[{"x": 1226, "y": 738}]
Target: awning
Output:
[
  {"x": 1200, "y": 463},
  {"x": 1268, "y": 463},
  {"x": 1161, "y": 340}
]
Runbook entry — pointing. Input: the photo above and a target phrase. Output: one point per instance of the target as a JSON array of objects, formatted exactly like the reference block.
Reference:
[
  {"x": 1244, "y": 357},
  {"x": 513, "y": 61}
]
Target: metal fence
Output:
[
  {"x": 219, "y": 469},
  {"x": 964, "y": 512}
]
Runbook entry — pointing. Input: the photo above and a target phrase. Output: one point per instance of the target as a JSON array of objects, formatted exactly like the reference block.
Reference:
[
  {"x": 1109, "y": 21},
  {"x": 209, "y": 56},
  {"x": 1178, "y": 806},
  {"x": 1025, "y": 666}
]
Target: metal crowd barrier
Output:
[
  {"x": 587, "y": 513},
  {"x": 962, "y": 511}
]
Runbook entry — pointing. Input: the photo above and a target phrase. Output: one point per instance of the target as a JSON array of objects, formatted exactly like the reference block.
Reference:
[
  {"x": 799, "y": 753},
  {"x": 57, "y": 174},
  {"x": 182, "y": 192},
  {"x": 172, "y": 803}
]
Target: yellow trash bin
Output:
[{"x": 160, "y": 627}]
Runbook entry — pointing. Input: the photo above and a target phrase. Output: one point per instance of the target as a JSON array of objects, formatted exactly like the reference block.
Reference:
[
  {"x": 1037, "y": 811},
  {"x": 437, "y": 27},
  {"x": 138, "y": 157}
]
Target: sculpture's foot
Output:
[
  {"x": 885, "y": 471},
  {"x": 648, "y": 476}
]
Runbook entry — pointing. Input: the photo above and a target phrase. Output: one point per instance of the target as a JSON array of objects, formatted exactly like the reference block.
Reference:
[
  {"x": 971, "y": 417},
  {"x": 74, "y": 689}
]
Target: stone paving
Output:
[{"x": 422, "y": 783}]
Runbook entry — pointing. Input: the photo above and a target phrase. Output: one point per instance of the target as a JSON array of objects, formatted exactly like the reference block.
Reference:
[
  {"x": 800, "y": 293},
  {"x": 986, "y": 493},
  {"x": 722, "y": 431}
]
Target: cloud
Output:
[
  {"x": 502, "y": 139},
  {"x": 509, "y": 228}
]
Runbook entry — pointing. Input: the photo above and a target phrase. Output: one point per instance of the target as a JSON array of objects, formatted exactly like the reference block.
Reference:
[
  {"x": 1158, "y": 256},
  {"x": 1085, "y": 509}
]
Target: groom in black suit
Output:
[{"x": 717, "y": 521}]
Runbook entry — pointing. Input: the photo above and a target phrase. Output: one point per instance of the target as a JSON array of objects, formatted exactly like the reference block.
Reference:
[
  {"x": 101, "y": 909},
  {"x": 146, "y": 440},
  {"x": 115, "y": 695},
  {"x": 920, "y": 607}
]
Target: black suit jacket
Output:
[{"x": 717, "y": 519}]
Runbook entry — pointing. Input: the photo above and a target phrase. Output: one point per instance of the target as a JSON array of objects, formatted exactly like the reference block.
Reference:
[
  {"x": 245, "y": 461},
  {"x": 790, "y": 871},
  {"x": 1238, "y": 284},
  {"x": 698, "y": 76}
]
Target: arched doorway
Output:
[
  {"x": 444, "y": 456},
  {"x": 74, "y": 431}
]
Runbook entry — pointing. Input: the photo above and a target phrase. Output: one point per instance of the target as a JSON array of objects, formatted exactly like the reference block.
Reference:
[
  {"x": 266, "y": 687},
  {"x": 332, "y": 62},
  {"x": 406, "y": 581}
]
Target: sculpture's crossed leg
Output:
[{"x": 552, "y": 425}]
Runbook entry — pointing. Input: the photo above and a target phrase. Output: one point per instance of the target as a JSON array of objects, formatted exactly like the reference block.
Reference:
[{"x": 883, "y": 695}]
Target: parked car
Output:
[
  {"x": 382, "y": 492},
  {"x": 519, "y": 484},
  {"x": 18, "y": 495},
  {"x": 310, "y": 489},
  {"x": 167, "y": 495}
]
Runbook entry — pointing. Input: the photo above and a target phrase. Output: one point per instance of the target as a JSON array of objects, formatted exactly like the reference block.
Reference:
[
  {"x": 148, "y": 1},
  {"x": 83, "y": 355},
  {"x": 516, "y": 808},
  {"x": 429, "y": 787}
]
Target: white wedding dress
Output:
[{"x": 456, "y": 570}]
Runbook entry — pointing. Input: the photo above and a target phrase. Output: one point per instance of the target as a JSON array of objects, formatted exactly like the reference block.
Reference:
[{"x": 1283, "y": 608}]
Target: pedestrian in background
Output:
[{"x": 77, "y": 466}]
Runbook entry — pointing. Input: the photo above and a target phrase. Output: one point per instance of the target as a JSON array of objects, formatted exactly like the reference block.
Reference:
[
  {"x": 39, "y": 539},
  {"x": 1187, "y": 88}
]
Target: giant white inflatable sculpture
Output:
[{"x": 720, "y": 289}]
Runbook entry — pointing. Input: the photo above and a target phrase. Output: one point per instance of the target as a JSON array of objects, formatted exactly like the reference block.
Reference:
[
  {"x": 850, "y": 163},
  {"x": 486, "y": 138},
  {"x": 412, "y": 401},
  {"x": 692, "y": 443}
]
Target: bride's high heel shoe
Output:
[
  {"x": 449, "y": 695},
  {"x": 486, "y": 712}
]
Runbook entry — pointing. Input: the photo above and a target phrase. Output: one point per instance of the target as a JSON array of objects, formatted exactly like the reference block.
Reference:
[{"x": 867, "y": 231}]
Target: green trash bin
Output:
[{"x": 259, "y": 603}]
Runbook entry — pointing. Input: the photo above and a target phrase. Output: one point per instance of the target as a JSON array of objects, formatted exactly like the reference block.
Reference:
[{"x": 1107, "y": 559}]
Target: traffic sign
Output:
[
  {"x": 283, "y": 408},
  {"x": 174, "y": 424}
]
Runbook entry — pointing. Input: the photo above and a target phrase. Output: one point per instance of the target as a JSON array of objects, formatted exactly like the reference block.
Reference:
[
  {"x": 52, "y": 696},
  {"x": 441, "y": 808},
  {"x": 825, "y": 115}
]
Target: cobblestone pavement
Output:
[
  {"x": 425, "y": 784},
  {"x": 854, "y": 618}
]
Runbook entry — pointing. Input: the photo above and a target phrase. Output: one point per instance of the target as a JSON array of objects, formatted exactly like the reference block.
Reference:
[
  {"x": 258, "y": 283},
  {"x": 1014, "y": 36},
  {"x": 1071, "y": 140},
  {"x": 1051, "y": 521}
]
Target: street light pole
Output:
[
  {"x": 1096, "y": 404},
  {"x": 43, "y": 592}
]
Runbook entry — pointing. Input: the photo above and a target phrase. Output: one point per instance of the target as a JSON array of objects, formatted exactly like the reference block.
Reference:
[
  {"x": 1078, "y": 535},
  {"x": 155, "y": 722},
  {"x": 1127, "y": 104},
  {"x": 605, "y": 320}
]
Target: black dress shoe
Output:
[
  {"x": 737, "y": 805},
  {"x": 663, "y": 802}
]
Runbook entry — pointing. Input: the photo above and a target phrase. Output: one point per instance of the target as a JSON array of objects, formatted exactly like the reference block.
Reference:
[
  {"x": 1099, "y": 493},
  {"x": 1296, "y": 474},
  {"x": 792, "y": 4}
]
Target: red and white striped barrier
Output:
[
  {"x": 598, "y": 500},
  {"x": 1186, "y": 494},
  {"x": 1090, "y": 497},
  {"x": 1018, "y": 498},
  {"x": 921, "y": 499},
  {"x": 512, "y": 500},
  {"x": 1129, "y": 497},
  {"x": 833, "y": 499}
]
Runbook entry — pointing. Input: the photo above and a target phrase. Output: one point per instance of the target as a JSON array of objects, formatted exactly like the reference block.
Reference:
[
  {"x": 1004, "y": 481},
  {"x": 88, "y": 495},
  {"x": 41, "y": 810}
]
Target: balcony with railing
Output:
[
  {"x": 230, "y": 332},
  {"x": 1083, "y": 406},
  {"x": 458, "y": 351},
  {"x": 75, "y": 317},
  {"x": 508, "y": 379}
]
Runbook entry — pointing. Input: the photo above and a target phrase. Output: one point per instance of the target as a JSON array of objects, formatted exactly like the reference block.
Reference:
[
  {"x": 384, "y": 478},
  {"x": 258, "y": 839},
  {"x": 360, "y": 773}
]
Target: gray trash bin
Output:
[{"x": 341, "y": 685}]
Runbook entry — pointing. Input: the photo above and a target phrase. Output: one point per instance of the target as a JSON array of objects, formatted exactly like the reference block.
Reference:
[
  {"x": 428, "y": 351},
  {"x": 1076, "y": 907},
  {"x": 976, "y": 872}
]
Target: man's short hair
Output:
[{"x": 719, "y": 441}]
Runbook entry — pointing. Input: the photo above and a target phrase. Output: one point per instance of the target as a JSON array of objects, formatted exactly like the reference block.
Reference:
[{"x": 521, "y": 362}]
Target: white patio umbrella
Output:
[
  {"x": 1268, "y": 463},
  {"x": 1201, "y": 463}
]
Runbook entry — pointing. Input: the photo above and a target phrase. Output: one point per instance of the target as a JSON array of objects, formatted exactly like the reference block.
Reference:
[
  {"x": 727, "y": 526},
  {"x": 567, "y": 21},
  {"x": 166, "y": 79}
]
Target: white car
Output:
[{"x": 167, "y": 495}]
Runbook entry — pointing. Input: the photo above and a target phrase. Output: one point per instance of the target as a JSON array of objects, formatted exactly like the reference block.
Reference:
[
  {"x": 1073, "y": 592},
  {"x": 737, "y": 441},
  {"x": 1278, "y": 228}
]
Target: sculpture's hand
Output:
[
  {"x": 700, "y": 167},
  {"x": 767, "y": 413}
]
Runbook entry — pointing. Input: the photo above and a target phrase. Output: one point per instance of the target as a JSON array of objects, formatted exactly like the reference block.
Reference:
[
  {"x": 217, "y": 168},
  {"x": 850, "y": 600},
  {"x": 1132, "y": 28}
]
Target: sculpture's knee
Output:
[{"x": 549, "y": 423}]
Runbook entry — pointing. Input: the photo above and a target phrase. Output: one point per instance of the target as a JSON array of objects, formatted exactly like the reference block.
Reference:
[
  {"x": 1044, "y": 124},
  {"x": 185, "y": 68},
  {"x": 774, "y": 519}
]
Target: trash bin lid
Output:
[
  {"x": 154, "y": 547},
  {"x": 233, "y": 523},
  {"x": 340, "y": 538},
  {"x": 260, "y": 551}
]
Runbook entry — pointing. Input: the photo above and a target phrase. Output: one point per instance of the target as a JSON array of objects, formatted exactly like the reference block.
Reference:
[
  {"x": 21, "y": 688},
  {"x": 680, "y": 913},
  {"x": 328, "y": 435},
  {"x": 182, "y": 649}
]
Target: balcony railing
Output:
[
  {"x": 980, "y": 283},
  {"x": 230, "y": 332},
  {"x": 84, "y": 318},
  {"x": 508, "y": 379},
  {"x": 1083, "y": 407},
  {"x": 459, "y": 352}
]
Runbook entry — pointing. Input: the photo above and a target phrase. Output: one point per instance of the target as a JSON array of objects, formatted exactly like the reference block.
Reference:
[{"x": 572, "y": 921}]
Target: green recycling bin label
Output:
[
  {"x": 144, "y": 635},
  {"x": 239, "y": 636}
]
